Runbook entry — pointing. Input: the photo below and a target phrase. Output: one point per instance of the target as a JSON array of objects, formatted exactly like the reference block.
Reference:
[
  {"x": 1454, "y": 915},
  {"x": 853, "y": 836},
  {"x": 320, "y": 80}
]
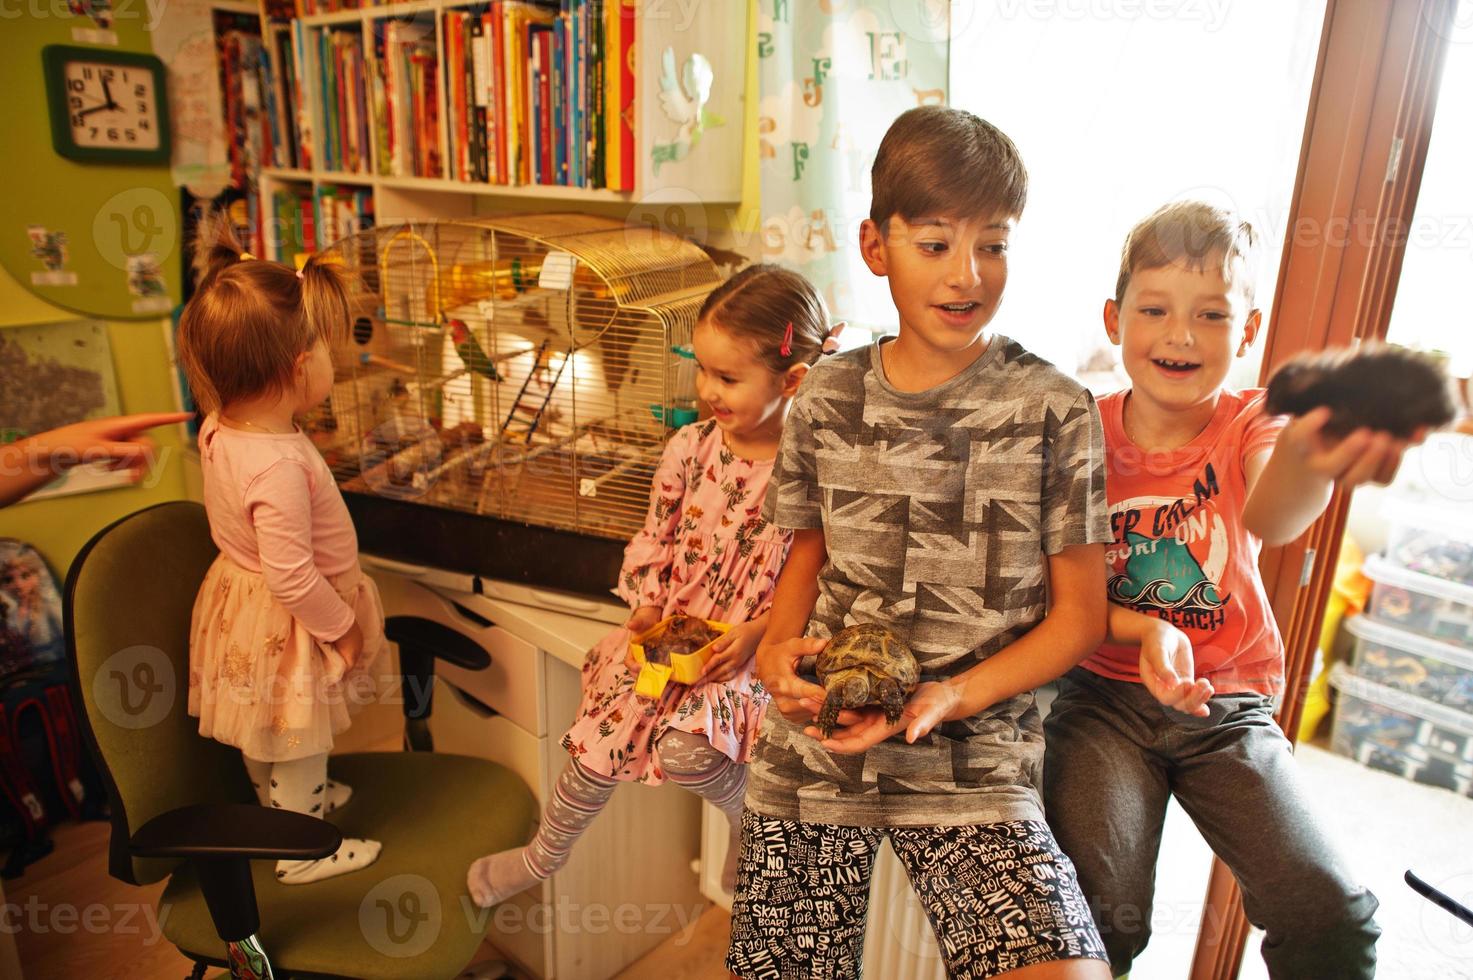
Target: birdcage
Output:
[{"x": 528, "y": 368}]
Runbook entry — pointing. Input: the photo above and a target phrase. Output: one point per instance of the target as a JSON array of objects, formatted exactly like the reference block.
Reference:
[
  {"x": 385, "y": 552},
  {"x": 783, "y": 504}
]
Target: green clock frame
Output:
[{"x": 54, "y": 59}]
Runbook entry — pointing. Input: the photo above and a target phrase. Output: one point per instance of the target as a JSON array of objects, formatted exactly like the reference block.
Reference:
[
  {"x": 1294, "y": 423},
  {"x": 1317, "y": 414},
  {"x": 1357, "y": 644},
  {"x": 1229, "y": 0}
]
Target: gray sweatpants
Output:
[{"x": 1114, "y": 758}]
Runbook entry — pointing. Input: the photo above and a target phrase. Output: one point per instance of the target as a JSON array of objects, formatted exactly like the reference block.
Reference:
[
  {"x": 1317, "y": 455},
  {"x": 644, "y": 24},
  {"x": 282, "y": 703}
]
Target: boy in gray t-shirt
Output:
[{"x": 948, "y": 485}]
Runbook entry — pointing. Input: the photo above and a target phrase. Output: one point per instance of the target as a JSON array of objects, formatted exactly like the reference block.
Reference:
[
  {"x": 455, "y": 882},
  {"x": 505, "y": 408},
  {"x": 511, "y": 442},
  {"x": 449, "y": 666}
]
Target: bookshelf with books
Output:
[
  {"x": 456, "y": 108},
  {"x": 305, "y": 216}
]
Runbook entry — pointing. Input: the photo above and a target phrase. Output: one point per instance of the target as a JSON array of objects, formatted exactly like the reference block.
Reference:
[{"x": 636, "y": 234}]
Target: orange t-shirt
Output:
[{"x": 1181, "y": 551}]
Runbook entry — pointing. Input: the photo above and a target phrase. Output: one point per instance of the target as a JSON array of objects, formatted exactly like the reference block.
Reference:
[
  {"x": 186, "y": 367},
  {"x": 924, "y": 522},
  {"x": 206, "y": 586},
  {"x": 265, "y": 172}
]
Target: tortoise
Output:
[
  {"x": 1379, "y": 386},
  {"x": 864, "y": 664}
]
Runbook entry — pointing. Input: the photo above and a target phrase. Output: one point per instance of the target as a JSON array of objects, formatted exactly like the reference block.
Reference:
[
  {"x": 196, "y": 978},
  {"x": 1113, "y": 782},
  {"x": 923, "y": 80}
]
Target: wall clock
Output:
[{"x": 107, "y": 106}]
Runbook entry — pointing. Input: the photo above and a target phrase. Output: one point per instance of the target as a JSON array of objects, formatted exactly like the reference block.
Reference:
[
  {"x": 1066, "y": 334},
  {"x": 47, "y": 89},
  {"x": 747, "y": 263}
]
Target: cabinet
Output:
[{"x": 628, "y": 885}]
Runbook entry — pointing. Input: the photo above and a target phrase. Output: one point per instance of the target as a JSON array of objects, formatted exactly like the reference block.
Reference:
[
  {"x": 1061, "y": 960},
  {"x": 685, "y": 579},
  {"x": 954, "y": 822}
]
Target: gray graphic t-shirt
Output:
[{"x": 938, "y": 510}]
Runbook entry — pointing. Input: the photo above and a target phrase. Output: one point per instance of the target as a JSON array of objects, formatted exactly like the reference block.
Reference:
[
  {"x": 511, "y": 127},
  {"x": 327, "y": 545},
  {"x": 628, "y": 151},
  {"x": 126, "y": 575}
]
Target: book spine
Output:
[
  {"x": 350, "y": 101},
  {"x": 596, "y": 96},
  {"x": 496, "y": 117},
  {"x": 455, "y": 144},
  {"x": 534, "y": 90},
  {"x": 614, "y": 104},
  {"x": 573, "y": 72},
  {"x": 558, "y": 100},
  {"x": 629, "y": 108},
  {"x": 430, "y": 72},
  {"x": 480, "y": 85},
  {"x": 549, "y": 129}
]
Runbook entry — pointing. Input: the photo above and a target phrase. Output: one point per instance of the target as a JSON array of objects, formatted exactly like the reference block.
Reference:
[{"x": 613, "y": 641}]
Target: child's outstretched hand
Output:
[
  {"x": 795, "y": 699},
  {"x": 929, "y": 705},
  {"x": 640, "y": 620},
  {"x": 732, "y": 651},
  {"x": 1363, "y": 456},
  {"x": 1167, "y": 669}
]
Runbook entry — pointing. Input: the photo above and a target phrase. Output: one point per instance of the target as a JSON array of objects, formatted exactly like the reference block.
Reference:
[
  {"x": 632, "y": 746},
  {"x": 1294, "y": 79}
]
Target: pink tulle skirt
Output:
[{"x": 259, "y": 681}]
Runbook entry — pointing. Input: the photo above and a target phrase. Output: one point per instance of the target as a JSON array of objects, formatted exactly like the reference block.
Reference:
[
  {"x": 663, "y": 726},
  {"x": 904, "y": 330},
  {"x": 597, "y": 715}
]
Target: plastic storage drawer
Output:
[
  {"x": 1428, "y": 668},
  {"x": 1431, "y": 538},
  {"x": 1391, "y": 730},
  {"x": 1420, "y": 603}
]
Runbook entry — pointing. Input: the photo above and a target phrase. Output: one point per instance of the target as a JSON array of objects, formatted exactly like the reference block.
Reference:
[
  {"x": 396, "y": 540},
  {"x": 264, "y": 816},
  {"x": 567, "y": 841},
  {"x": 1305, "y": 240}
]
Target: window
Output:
[
  {"x": 1118, "y": 108},
  {"x": 1436, "y": 282}
]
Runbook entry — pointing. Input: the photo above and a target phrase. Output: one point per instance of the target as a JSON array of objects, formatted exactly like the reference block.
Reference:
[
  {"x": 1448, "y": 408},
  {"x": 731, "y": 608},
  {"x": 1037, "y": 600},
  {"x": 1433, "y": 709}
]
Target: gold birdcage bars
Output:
[{"x": 527, "y": 368}]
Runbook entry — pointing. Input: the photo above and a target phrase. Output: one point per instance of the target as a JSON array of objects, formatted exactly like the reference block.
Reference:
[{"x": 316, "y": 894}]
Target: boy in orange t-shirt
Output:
[{"x": 1179, "y": 698}]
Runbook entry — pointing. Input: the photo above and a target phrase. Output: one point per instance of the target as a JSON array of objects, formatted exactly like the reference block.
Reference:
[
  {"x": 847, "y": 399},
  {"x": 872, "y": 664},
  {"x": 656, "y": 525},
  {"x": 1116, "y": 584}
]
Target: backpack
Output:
[{"x": 46, "y": 775}]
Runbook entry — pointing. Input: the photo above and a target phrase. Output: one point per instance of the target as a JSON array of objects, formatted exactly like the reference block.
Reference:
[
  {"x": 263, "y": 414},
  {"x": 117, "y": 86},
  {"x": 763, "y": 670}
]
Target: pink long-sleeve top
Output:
[{"x": 274, "y": 508}]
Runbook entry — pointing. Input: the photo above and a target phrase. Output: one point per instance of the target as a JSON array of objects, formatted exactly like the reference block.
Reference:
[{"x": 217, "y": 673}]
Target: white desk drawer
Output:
[{"x": 512, "y": 685}]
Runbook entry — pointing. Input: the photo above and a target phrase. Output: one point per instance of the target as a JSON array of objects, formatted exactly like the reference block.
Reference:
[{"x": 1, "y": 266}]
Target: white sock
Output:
[
  {"x": 494, "y": 878},
  {"x": 337, "y": 794},
  {"x": 301, "y": 786}
]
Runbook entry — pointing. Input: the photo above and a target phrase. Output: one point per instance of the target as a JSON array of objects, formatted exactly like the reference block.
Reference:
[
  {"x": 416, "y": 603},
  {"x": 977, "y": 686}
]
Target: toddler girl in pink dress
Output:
[{"x": 286, "y": 629}]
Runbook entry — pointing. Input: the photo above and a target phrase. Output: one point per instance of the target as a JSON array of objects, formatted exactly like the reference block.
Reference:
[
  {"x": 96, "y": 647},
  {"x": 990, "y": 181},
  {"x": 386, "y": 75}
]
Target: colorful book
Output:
[
  {"x": 480, "y": 116},
  {"x": 558, "y": 100},
  {"x": 548, "y": 138},
  {"x": 627, "y": 108},
  {"x": 497, "y": 104},
  {"x": 614, "y": 97}
]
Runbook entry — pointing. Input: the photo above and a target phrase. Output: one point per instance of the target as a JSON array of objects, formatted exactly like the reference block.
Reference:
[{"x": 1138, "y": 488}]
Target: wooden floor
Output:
[{"x": 75, "y": 921}]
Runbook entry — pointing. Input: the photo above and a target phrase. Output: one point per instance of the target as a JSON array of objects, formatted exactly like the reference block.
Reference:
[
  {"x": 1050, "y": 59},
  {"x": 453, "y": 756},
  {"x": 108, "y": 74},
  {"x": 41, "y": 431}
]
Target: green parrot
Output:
[{"x": 469, "y": 349}]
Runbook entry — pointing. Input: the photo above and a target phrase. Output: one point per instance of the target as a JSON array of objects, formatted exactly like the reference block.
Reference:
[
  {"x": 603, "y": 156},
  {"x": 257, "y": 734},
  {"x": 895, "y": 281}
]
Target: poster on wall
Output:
[{"x": 54, "y": 374}]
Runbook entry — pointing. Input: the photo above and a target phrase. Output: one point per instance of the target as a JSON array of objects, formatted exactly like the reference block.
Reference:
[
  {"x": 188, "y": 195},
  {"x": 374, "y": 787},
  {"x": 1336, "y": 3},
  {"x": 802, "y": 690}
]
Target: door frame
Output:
[{"x": 1366, "y": 134}]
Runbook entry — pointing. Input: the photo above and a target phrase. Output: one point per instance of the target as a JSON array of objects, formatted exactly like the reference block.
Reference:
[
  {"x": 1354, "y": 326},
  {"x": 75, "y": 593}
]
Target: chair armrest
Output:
[
  {"x": 235, "y": 830},
  {"x": 427, "y": 636}
]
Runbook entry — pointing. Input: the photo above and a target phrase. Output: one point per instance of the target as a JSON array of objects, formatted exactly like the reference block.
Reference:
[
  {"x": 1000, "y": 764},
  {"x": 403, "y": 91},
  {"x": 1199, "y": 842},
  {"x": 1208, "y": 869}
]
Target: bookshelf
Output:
[{"x": 462, "y": 108}]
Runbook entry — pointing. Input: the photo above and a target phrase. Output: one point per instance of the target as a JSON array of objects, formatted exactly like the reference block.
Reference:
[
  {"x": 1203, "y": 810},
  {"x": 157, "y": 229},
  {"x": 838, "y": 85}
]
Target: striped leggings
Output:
[{"x": 688, "y": 760}]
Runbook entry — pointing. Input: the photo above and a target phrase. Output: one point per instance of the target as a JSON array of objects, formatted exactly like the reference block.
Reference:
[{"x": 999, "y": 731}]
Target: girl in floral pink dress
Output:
[{"x": 704, "y": 551}]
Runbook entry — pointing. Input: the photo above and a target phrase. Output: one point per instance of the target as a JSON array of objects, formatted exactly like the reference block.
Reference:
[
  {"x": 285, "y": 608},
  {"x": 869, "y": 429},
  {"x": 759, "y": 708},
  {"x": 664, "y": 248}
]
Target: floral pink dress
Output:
[{"x": 704, "y": 551}]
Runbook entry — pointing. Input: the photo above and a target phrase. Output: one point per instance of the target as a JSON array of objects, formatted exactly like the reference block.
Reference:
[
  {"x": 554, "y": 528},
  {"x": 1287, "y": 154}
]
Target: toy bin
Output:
[
  {"x": 1420, "y": 603},
  {"x": 1430, "y": 537},
  {"x": 683, "y": 668},
  {"x": 1431, "y": 669},
  {"x": 1397, "y": 732}
]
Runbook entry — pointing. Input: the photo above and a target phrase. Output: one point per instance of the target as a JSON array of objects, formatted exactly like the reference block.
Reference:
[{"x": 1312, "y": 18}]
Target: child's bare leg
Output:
[
  {"x": 579, "y": 796},
  {"x": 694, "y": 763}
]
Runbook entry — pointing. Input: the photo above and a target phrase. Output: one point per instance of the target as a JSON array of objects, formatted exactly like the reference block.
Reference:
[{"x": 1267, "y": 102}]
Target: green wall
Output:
[{"x": 38, "y": 187}]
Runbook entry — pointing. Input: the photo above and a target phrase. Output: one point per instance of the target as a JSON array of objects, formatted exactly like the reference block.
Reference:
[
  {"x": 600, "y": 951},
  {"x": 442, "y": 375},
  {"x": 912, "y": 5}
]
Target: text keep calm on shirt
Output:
[{"x": 1181, "y": 552}]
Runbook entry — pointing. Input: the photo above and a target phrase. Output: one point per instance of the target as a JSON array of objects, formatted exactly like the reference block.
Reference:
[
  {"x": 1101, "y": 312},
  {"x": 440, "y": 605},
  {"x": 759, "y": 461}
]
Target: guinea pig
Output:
[{"x": 1377, "y": 386}]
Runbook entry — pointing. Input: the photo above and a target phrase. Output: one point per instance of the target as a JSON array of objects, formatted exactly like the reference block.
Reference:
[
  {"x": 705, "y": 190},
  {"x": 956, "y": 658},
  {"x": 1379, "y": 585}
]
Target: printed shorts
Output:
[{"x": 999, "y": 896}]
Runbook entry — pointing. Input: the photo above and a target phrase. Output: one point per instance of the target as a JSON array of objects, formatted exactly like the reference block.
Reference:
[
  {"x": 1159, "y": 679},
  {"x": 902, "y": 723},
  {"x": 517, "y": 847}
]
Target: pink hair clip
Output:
[
  {"x": 786, "y": 350},
  {"x": 831, "y": 342}
]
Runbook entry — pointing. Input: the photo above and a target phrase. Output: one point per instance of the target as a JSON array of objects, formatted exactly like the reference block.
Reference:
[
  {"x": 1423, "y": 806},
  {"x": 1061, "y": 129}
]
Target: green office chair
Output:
[{"x": 183, "y": 808}]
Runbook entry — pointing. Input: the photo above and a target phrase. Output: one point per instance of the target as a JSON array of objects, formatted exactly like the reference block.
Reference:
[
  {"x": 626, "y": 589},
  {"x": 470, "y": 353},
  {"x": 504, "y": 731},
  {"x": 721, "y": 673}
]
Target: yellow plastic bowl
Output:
[{"x": 683, "y": 668}]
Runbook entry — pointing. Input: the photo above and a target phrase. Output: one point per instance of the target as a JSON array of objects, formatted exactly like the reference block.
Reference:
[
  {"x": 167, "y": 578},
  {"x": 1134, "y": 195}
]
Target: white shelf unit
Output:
[{"x": 709, "y": 173}]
